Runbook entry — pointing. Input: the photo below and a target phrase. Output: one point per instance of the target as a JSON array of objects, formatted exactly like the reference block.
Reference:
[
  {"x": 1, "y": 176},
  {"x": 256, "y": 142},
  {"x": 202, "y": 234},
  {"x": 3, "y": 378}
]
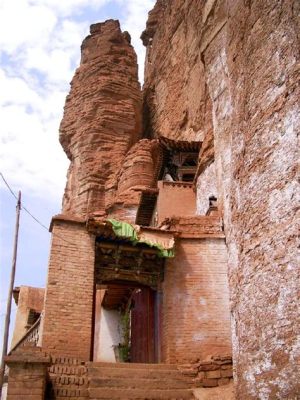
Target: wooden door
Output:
[{"x": 143, "y": 327}]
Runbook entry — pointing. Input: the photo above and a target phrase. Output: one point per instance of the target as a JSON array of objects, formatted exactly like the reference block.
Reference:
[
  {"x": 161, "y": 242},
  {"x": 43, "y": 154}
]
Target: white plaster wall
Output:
[
  {"x": 109, "y": 335},
  {"x": 3, "y": 396}
]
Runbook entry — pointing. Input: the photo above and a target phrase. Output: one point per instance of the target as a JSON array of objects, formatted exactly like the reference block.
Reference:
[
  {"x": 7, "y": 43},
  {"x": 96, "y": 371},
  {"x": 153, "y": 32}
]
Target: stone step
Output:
[
  {"x": 144, "y": 383},
  {"x": 133, "y": 365},
  {"x": 134, "y": 394},
  {"x": 70, "y": 398},
  {"x": 136, "y": 373}
]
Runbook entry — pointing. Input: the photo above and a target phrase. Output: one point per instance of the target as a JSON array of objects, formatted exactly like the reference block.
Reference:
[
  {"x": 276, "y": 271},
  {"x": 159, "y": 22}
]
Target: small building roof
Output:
[
  {"x": 180, "y": 145},
  {"x": 110, "y": 229}
]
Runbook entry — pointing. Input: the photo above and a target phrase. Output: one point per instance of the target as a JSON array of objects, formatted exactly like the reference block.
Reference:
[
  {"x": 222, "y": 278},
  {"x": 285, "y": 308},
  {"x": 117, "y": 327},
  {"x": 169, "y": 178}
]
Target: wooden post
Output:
[{"x": 9, "y": 299}]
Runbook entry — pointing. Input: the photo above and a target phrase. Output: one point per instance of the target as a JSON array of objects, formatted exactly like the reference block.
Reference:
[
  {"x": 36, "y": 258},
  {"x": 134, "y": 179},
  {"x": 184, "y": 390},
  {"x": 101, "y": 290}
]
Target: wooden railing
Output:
[{"x": 31, "y": 337}]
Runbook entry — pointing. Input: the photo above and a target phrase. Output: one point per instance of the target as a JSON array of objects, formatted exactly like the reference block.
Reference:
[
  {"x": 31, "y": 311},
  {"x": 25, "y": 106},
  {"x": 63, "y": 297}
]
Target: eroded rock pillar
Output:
[{"x": 102, "y": 118}]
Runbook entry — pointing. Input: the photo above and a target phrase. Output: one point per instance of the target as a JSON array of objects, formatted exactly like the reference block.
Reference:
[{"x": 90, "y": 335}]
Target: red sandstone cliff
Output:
[
  {"x": 176, "y": 100},
  {"x": 102, "y": 118},
  {"x": 227, "y": 72},
  {"x": 139, "y": 171}
]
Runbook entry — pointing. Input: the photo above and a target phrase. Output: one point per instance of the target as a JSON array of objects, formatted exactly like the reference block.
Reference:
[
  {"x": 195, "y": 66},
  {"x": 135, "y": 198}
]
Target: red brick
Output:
[
  {"x": 196, "y": 321},
  {"x": 69, "y": 303}
]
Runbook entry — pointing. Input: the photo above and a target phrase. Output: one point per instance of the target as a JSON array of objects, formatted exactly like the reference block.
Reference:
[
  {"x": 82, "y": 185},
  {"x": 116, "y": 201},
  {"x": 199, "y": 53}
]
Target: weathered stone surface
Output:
[
  {"x": 139, "y": 171},
  {"x": 232, "y": 67},
  {"x": 102, "y": 118},
  {"x": 176, "y": 99}
]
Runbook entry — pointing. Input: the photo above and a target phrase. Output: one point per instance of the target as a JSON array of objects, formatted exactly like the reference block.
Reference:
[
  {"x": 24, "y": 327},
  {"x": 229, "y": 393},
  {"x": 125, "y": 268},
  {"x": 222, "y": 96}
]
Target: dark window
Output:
[{"x": 33, "y": 316}]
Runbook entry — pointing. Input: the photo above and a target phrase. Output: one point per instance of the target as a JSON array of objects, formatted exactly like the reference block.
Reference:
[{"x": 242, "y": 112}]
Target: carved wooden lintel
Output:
[{"x": 119, "y": 262}]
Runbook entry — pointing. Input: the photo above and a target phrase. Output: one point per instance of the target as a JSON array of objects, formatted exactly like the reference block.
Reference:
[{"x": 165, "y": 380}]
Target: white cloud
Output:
[
  {"x": 31, "y": 24},
  {"x": 55, "y": 64},
  {"x": 30, "y": 153},
  {"x": 40, "y": 49},
  {"x": 15, "y": 90}
]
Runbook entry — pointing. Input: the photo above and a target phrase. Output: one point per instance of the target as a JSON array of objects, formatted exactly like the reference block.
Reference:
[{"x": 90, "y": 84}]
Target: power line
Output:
[
  {"x": 9, "y": 188},
  {"x": 29, "y": 213}
]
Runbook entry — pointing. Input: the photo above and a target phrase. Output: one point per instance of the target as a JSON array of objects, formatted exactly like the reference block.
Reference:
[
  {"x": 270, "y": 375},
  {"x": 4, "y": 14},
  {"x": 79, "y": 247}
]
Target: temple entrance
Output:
[
  {"x": 127, "y": 323},
  {"x": 127, "y": 302}
]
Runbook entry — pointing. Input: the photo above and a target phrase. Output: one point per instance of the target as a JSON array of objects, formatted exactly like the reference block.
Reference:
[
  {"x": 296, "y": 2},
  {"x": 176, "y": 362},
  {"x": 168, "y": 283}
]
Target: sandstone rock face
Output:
[
  {"x": 229, "y": 71},
  {"x": 102, "y": 118},
  {"x": 176, "y": 100},
  {"x": 140, "y": 167},
  {"x": 139, "y": 171}
]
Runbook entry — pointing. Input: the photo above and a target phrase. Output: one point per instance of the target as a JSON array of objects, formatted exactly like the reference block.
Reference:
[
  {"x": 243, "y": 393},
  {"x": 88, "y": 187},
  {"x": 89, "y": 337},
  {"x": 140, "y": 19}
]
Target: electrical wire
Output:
[{"x": 29, "y": 213}]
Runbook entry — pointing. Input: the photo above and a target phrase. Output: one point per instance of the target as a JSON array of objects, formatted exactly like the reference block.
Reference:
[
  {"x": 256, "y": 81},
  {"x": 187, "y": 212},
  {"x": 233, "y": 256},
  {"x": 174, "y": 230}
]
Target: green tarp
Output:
[{"x": 126, "y": 230}]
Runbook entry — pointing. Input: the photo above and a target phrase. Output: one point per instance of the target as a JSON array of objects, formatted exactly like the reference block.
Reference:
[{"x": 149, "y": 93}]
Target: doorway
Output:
[
  {"x": 127, "y": 306},
  {"x": 127, "y": 323}
]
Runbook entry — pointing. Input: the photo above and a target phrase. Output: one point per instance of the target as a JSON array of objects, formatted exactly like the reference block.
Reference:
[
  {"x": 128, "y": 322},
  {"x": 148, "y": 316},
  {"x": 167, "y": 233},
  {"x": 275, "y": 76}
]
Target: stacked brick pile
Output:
[
  {"x": 217, "y": 371},
  {"x": 67, "y": 379}
]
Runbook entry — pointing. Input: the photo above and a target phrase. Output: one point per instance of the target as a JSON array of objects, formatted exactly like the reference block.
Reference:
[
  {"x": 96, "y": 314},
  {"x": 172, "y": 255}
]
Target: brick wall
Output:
[
  {"x": 27, "y": 373},
  {"x": 67, "y": 325},
  {"x": 175, "y": 198},
  {"x": 198, "y": 226},
  {"x": 26, "y": 383},
  {"x": 195, "y": 302}
]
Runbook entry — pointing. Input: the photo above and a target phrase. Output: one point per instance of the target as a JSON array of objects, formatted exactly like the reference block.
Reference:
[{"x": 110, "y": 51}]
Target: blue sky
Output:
[{"x": 39, "y": 51}]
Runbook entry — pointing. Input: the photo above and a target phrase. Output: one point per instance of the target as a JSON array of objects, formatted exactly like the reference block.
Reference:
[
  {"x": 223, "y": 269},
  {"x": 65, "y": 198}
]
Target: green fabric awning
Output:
[{"x": 126, "y": 230}]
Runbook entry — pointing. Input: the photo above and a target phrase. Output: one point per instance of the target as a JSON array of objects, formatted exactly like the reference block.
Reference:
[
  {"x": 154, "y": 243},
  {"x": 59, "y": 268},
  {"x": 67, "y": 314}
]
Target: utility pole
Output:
[{"x": 10, "y": 292}]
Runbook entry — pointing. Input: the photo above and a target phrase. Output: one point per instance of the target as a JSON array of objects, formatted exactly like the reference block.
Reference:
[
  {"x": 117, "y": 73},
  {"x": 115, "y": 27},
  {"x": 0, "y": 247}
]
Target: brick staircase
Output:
[
  {"x": 71, "y": 379},
  {"x": 138, "y": 381}
]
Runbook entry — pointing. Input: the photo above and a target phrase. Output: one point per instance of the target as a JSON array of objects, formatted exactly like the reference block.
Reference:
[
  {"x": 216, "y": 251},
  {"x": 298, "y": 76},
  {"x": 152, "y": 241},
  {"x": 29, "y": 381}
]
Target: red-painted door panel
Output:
[{"x": 142, "y": 327}]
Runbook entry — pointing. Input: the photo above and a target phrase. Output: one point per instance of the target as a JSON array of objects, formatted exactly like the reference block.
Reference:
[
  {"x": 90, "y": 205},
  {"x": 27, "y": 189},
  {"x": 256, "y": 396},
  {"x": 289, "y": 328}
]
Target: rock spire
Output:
[{"x": 102, "y": 118}]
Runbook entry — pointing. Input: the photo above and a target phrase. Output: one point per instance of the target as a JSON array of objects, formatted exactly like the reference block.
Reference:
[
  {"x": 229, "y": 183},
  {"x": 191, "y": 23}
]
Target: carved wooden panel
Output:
[{"x": 119, "y": 262}]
